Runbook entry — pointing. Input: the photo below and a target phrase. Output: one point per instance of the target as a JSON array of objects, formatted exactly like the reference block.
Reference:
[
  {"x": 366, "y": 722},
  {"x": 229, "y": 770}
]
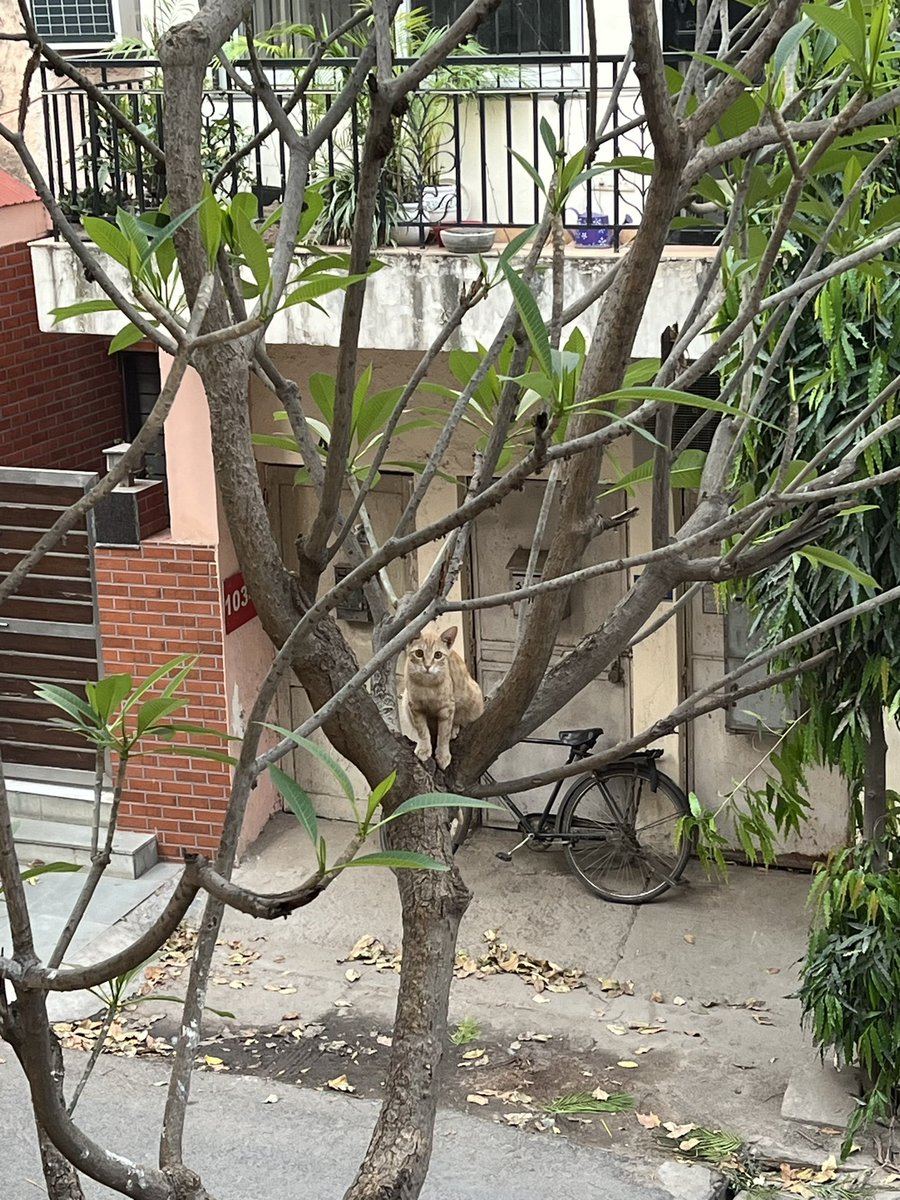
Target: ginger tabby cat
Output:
[{"x": 440, "y": 695}]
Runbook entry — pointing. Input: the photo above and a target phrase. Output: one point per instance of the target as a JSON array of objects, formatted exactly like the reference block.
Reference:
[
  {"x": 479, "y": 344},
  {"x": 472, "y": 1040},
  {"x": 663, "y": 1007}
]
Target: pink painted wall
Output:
[
  {"x": 197, "y": 518},
  {"x": 23, "y": 223},
  {"x": 189, "y": 463}
]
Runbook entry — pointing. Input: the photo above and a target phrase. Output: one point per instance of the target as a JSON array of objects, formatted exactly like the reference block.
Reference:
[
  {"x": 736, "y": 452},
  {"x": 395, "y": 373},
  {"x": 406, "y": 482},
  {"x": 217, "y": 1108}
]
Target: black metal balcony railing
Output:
[{"x": 458, "y": 156}]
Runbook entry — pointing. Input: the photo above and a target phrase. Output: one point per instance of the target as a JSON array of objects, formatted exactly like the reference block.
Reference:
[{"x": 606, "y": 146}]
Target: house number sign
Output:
[{"x": 239, "y": 608}]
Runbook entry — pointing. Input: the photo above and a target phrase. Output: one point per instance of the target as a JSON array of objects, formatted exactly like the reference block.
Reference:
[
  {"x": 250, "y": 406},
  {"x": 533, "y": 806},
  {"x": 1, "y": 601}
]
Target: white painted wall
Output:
[{"x": 405, "y": 301}]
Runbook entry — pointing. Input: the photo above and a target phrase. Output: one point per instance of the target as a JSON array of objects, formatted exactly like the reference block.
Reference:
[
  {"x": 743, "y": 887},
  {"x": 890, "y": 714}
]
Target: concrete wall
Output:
[{"x": 405, "y": 301}]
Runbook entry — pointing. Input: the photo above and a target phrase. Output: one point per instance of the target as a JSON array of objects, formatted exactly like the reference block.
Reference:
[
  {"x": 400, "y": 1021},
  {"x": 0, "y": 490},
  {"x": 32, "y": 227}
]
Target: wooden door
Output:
[
  {"x": 500, "y": 545},
  {"x": 48, "y": 629},
  {"x": 292, "y": 510}
]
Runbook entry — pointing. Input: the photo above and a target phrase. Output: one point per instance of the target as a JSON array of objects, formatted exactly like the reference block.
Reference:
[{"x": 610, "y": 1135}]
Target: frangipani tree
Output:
[{"x": 205, "y": 281}]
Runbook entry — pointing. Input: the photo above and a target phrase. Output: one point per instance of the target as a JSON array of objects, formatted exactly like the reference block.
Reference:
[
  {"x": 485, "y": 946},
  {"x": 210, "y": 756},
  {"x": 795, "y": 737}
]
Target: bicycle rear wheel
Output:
[{"x": 622, "y": 823}]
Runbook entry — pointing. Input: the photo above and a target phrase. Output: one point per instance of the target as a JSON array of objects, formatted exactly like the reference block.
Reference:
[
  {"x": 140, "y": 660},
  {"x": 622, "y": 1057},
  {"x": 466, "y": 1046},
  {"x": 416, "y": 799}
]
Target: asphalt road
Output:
[{"x": 307, "y": 1144}]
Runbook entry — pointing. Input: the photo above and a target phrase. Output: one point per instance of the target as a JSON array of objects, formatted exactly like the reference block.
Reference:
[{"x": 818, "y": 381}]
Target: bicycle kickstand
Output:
[{"x": 506, "y": 855}]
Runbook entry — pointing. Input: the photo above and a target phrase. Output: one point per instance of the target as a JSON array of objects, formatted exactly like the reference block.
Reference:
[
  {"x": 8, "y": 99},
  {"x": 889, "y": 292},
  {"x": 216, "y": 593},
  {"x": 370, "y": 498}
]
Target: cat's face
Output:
[{"x": 427, "y": 656}]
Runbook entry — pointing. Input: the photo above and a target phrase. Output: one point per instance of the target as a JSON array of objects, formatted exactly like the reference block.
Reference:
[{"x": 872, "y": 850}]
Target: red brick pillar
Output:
[{"x": 156, "y": 601}]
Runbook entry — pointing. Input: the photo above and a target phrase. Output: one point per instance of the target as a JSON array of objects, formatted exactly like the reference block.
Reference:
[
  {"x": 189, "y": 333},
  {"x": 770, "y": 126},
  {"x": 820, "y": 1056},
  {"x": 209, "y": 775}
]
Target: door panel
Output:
[{"x": 501, "y": 540}]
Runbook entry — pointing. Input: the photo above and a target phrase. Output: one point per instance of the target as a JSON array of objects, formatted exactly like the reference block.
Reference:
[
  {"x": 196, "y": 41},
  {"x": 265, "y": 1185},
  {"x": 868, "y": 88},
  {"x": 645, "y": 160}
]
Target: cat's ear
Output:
[{"x": 448, "y": 637}]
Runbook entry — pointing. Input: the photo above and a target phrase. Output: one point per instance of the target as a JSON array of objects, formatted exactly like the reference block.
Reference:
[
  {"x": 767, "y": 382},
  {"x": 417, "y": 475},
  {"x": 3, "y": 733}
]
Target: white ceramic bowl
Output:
[{"x": 467, "y": 240}]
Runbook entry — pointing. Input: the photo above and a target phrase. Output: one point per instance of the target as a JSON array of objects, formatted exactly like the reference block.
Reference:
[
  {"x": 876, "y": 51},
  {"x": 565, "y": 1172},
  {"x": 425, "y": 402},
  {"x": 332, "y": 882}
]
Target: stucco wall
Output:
[{"x": 405, "y": 302}]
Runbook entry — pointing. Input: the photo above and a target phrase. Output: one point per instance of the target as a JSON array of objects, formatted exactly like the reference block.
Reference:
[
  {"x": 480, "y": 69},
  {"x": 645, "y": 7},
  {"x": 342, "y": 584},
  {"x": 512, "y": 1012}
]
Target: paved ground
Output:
[
  {"x": 710, "y": 969},
  {"x": 50, "y": 901},
  {"x": 248, "y": 1149}
]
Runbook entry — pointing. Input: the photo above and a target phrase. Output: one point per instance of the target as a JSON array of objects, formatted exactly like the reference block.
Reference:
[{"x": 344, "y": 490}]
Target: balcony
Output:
[
  {"x": 468, "y": 151},
  {"x": 465, "y": 149}
]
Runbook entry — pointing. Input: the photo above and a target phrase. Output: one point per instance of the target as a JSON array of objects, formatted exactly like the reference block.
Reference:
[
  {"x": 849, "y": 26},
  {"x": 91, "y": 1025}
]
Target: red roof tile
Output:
[{"x": 13, "y": 192}]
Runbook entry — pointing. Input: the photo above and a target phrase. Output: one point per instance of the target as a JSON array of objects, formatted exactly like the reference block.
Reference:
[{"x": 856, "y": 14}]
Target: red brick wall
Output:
[
  {"x": 61, "y": 393},
  {"x": 156, "y": 601}
]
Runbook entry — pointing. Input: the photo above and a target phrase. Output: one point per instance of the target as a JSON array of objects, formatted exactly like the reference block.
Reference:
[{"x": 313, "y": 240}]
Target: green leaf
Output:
[
  {"x": 155, "y": 710},
  {"x": 634, "y": 163},
  {"x": 322, "y": 755},
  {"x": 166, "y": 232},
  {"x": 178, "y": 663},
  {"x": 397, "y": 859},
  {"x": 839, "y": 23},
  {"x": 787, "y": 46},
  {"x": 66, "y": 700},
  {"x": 530, "y": 314},
  {"x": 210, "y": 221},
  {"x": 206, "y": 752},
  {"x": 531, "y": 171},
  {"x": 377, "y": 795},
  {"x": 320, "y": 286},
  {"x": 298, "y": 801},
  {"x": 108, "y": 693},
  {"x": 107, "y": 238},
  {"x": 127, "y": 336},
  {"x": 686, "y": 472},
  {"x": 514, "y": 245},
  {"x": 83, "y": 307},
  {"x": 837, "y": 562},
  {"x": 253, "y": 249},
  {"x": 439, "y": 800},
  {"x": 52, "y": 868},
  {"x": 313, "y": 206},
  {"x": 719, "y": 65},
  {"x": 671, "y": 396},
  {"x": 548, "y": 137}
]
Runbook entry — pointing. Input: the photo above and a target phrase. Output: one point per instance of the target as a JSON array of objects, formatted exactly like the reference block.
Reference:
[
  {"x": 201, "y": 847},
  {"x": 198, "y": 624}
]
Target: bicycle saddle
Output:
[{"x": 579, "y": 737}]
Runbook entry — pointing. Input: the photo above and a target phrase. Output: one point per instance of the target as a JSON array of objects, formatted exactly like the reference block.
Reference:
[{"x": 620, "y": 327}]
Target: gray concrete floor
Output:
[
  {"x": 713, "y": 946},
  {"x": 50, "y": 901}
]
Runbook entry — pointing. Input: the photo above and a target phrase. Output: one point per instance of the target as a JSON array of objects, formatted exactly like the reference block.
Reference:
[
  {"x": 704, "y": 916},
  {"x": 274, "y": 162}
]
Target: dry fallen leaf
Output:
[
  {"x": 271, "y": 1099},
  {"x": 648, "y": 1120},
  {"x": 384, "y": 1040},
  {"x": 657, "y": 998},
  {"x": 473, "y": 1053},
  {"x": 341, "y": 1084},
  {"x": 772, "y": 970},
  {"x": 351, "y": 976},
  {"x": 690, "y": 939},
  {"x": 689, "y": 1143},
  {"x": 474, "y": 1098},
  {"x": 642, "y": 1050},
  {"x": 679, "y": 1000},
  {"x": 676, "y": 1131},
  {"x": 541, "y": 999},
  {"x": 626, "y": 1063},
  {"x": 618, "y": 1030},
  {"x": 599, "y": 1094},
  {"x": 212, "y": 1061}
]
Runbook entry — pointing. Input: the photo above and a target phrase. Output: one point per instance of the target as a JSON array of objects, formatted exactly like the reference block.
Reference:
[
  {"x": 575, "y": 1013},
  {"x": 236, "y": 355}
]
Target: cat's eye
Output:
[
  {"x": 418, "y": 654},
  {"x": 437, "y": 655}
]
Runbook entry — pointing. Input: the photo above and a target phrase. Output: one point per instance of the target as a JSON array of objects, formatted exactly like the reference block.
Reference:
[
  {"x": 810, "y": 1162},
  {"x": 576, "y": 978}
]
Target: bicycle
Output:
[{"x": 617, "y": 824}]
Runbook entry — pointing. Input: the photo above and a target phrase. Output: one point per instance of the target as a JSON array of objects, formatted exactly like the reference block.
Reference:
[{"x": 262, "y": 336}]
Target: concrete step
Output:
[
  {"x": 50, "y": 802},
  {"x": 59, "y": 841}
]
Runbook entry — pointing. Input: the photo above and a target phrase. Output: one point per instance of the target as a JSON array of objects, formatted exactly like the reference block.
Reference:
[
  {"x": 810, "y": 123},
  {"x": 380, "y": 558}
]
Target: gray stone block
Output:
[
  {"x": 818, "y": 1094},
  {"x": 690, "y": 1181}
]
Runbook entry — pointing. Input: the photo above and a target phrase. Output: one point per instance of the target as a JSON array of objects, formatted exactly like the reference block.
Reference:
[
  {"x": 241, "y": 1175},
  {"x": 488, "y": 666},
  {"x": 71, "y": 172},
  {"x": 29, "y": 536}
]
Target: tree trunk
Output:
[
  {"x": 60, "y": 1176},
  {"x": 875, "y": 793},
  {"x": 433, "y": 904}
]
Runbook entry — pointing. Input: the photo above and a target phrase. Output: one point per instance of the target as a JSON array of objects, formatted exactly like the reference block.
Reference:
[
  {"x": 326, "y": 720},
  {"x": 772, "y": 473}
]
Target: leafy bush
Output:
[{"x": 850, "y": 981}]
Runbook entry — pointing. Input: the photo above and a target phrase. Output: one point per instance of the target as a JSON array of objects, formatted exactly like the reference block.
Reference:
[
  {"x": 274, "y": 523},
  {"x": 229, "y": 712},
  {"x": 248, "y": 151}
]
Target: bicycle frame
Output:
[
  {"x": 540, "y": 831},
  {"x": 543, "y": 826}
]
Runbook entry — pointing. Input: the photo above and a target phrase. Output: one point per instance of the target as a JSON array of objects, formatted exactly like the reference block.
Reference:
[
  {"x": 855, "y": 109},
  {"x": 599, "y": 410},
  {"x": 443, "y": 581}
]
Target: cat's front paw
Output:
[
  {"x": 442, "y": 758},
  {"x": 423, "y": 751}
]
